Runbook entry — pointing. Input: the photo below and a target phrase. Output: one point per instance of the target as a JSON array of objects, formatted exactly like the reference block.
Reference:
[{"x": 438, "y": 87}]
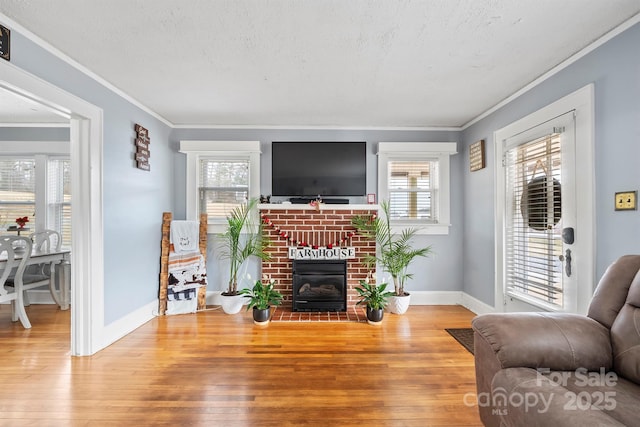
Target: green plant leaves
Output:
[
  {"x": 395, "y": 251},
  {"x": 262, "y": 296},
  {"x": 374, "y": 296},
  {"x": 243, "y": 238}
]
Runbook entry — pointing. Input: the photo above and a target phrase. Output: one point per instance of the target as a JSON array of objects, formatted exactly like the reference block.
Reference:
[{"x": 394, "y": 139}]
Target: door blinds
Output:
[{"x": 533, "y": 214}]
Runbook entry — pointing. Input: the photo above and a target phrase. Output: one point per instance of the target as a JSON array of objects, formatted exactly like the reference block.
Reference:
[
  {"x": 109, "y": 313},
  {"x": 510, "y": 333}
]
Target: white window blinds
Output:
[
  {"x": 17, "y": 190},
  {"x": 223, "y": 185},
  {"x": 412, "y": 188},
  {"x": 533, "y": 214},
  {"x": 59, "y": 198}
]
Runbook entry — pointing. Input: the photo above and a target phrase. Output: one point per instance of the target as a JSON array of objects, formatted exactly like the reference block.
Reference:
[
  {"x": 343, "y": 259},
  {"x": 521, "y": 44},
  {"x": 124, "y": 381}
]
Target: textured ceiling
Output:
[
  {"x": 363, "y": 63},
  {"x": 16, "y": 110}
]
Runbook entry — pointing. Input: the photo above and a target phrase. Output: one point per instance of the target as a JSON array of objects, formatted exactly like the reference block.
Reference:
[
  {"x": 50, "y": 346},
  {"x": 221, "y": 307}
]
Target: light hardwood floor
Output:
[{"x": 220, "y": 370}]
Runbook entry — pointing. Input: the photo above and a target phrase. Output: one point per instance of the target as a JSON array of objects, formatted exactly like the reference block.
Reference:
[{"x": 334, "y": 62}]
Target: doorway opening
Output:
[{"x": 87, "y": 263}]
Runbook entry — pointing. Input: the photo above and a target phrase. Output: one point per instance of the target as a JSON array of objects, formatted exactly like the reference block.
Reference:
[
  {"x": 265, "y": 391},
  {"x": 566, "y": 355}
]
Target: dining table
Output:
[{"x": 60, "y": 283}]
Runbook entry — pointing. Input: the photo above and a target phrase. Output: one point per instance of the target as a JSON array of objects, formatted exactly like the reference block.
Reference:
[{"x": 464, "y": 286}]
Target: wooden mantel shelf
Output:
[{"x": 323, "y": 207}]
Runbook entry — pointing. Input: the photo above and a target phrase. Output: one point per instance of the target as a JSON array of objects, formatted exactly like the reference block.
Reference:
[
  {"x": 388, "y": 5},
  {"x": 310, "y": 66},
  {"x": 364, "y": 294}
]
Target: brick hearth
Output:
[{"x": 331, "y": 224}]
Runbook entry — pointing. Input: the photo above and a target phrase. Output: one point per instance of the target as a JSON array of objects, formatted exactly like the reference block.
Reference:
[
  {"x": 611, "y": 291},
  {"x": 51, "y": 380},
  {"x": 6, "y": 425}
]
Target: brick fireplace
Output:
[{"x": 306, "y": 226}]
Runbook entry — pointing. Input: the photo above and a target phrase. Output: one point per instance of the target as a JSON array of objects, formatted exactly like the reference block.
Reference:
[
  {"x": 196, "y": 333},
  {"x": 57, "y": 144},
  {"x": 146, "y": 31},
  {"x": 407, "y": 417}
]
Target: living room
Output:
[
  {"x": 124, "y": 205},
  {"x": 472, "y": 209}
]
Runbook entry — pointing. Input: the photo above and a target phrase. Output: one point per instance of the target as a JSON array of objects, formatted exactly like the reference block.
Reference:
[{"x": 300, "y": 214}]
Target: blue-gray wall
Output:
[
  {"x": 133, "y": 200},
  {"x": 441, "y": 271},
  {"x": 614, "y": 68}
]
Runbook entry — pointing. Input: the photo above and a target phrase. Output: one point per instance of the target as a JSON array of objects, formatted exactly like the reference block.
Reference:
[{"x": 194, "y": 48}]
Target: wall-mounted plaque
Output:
[
  {"x": 141, "y": 143},
  {"x": 141, "y": 132},
  {"x": 143, "y": 152},
  {"x": 5, "y": 43},
  {"x": 476, "y": 156}
]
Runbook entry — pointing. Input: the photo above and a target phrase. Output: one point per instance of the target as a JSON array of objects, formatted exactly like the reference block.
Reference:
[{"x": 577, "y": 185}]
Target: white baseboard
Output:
[
  {"x": 436, "y": 297},
  {"x": 475, "y": 305},
  {"x": 450, "y": 298},
  {"x": 417, "y": 298},
  {"x": 213, "y": 298},
  {"x": 127, "y": 324}
]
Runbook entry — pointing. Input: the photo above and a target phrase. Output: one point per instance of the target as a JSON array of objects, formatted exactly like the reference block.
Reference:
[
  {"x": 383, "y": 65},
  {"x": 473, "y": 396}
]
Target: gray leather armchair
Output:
[{"x": 558, "y": 369}]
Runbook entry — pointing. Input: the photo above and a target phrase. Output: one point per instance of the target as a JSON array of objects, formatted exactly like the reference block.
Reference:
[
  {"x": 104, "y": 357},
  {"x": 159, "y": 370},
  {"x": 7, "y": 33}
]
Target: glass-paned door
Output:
[{"x": 539, "y": 218}]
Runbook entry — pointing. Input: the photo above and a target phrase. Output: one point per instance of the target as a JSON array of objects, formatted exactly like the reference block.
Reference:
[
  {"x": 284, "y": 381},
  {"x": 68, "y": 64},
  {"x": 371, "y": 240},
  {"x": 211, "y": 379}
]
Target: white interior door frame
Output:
[
  {"x": 581, "y": 103},
  {"x": 87, "y": 261}
]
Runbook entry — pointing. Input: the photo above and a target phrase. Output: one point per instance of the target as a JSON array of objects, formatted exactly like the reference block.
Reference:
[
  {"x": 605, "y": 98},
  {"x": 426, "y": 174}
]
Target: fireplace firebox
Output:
[{"x": 319, "y": 285}]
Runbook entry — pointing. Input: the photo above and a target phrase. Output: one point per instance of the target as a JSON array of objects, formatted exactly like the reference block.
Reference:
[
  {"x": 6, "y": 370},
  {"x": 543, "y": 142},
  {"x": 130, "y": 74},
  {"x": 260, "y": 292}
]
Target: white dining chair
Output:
[
  {"x": 46, "y": 240},
  {"x": 43, "y": 274},
  {"x": 14, "y": 255}
]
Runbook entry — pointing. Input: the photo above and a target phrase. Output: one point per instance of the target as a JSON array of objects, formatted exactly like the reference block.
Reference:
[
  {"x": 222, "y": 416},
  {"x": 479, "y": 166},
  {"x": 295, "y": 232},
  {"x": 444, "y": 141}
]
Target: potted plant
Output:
[
  {"x": 261, "y": 298},
  {"x": 375, "y": 297},
  {"x": 394, "y": 252},
  {"x": 242, "y": 239}
]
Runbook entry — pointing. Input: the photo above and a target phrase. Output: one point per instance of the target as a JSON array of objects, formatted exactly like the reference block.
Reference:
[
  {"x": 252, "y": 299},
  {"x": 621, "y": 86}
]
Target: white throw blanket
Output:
[
  {"x": 185, "y": 236},
  {"x": 187, "y": 273}
]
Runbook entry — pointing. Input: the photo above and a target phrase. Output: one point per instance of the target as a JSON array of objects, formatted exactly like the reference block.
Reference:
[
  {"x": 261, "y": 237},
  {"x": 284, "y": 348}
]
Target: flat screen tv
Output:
[{"x": 328, "y": 169}]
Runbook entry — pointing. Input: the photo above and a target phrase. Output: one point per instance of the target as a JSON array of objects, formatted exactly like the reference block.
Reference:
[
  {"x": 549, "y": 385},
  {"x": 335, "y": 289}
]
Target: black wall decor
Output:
[
  {"x": 5, "y": 43},
  {"x": 143, "y": 151}
]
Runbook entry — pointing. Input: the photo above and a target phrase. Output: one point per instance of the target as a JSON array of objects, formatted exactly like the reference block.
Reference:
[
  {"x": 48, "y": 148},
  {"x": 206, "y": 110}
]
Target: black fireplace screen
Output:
[{"x": 319, "y": 285}]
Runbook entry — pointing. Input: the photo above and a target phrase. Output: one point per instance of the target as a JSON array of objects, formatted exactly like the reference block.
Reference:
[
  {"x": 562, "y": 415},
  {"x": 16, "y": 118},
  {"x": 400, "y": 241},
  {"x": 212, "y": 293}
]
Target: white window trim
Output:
[
  {"x": 195, "y": 150},
  {"x": 441, "y": 151}
]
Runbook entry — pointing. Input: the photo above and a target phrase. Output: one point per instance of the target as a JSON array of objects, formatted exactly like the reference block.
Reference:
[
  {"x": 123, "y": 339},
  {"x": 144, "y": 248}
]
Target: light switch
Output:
[{"x": 626, "y": 200}]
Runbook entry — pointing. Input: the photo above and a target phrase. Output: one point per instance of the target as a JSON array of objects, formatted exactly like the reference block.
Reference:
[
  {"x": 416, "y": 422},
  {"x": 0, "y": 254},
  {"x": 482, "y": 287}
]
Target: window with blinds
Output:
[
  {"x": 223, "y": 185},
  {"x": 17, "y": 190},
  {"x": 533, "y": 215},
  {"x": 59, "y": 198},
  {"x": 412, "y": 186}
]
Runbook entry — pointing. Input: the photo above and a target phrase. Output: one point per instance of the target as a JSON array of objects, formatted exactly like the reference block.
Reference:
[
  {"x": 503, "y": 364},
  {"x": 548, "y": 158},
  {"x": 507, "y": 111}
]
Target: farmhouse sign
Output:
[{"x": 321, "y": 252}]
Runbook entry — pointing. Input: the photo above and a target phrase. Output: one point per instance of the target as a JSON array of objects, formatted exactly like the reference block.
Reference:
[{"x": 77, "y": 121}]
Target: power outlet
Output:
[{"x": 626, "y": 200}]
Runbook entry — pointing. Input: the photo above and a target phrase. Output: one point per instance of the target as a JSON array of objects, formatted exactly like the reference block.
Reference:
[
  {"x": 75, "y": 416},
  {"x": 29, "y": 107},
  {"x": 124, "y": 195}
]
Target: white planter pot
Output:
[
  {"x": 399, "y": 304},
  {"x": 232, "y": 304}
]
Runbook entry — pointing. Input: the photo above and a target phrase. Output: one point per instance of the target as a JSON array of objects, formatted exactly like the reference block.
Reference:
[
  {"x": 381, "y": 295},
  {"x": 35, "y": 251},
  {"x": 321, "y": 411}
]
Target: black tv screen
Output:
[{"x": 309, "y": 169}]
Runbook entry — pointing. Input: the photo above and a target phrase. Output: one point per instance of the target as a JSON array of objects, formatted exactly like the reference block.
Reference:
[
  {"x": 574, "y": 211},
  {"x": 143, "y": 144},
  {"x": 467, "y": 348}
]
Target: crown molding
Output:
[
  {"x": 555, "y": 70},
  {"x": 8, "y": 22},
  {"x": 323, "y": 127}
]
